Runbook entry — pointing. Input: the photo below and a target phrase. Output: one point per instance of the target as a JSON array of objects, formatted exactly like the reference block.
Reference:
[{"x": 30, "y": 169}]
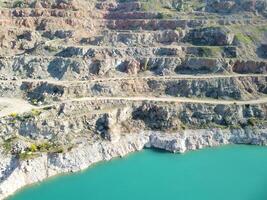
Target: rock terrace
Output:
[{"x": 75, "y": 73}]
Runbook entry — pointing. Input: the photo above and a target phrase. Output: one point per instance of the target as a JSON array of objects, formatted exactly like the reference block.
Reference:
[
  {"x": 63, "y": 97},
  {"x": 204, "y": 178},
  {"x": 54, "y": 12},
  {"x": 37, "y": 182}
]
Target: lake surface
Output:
[{"x": 225, "y": 173}]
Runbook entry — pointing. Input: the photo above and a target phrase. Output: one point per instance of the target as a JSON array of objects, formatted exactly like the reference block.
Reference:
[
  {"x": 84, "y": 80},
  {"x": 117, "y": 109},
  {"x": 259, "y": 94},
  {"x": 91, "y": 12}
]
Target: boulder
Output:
[{"x": 133, "y": 67}]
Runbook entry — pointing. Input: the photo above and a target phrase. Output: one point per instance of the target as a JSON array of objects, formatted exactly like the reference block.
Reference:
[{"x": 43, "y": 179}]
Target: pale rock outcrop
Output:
[{"x": 23, "y": 173}]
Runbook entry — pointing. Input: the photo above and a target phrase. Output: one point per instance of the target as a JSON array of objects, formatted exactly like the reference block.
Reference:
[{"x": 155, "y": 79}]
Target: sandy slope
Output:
[{"x": 13, "y": 105}]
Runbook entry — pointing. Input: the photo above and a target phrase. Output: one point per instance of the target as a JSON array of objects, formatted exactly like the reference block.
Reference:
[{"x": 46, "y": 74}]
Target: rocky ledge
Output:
[
  {"x": 15, "y": 173},
  {"x": 86, "y": 81}
]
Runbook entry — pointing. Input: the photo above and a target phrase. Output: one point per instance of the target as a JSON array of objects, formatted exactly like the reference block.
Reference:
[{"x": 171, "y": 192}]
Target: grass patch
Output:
[
  {"x": 248, "y": 34},
  {"x": 252, "y": 121},
  {"x": 183, "y": 126},
  {"x": 27, "y": 155},
  {"x": 24, "y": 117},
  {"x": 35, "y": 112},
  {"x": 172, "y": 6},
  {"x": 34, "y": 150},
  {"x": 49, "y": 148},
  {"x": 163, "y": 15},
  {"x": 7, "y": 145},
  {"x": 244, "y": 38},
  {"x": 210, "y": 51}
]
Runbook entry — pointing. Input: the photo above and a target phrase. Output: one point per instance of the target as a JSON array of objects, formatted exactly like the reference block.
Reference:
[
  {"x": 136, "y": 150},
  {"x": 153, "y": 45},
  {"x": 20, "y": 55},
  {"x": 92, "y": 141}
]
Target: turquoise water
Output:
[{"x": 226, "y": 173}]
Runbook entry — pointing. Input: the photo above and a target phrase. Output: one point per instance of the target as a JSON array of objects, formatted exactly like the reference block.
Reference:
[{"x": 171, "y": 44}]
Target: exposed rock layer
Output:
[
  {"x": 85, "y": 81},
  {"x": 24, "y": 173}
]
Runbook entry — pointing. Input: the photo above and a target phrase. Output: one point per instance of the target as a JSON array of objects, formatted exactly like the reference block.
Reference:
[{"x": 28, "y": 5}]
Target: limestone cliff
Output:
[{"x": 85, "y": 81}]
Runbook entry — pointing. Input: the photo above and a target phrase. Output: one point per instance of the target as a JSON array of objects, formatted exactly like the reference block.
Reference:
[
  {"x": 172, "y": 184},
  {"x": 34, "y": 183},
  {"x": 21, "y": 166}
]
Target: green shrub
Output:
[
  {"x": 50, "y": 148},
  {"x": 183, "y": 126},
  {"x": 33, "y": 148},
  {"x": 44, "y": 147},
  {"x": 14, "y": 115},
  {"x": 34, "y": 101},
  {"x": 243, "y": 38},
  {"x": 209, "y": 51},
  {"x": 35, "y": 112},
  {"x": 252, "y": 122},
  {"x": 235, "y": 126},
  {"x": 27, "y": 155},
  {"x": 7, "y": 145},
  {"x": 56, "y": 149},
  {"x": 163, "y": 15},
  {"x": 19, "y": 4}
]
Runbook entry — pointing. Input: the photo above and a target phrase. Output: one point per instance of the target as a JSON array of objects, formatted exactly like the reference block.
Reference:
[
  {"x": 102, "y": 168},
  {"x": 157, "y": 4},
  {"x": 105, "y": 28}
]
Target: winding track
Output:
[
  {"x": 14, "y": 105},
  {"x": 10, "y": 105},
  {"x": 171, "y": 99},
  {"x": 174, "y": 77}
]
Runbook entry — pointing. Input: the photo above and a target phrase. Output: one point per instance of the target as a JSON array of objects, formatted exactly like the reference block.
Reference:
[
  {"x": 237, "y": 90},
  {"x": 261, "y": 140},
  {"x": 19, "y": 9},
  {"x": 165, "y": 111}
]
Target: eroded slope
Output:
[{"x": 84, "y": 81}]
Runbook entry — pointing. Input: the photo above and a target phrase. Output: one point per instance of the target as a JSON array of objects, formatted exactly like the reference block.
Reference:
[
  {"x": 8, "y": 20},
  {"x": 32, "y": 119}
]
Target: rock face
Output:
[
  {"x": 38, "y": 169},
  {"x": 263, "y": 50},
  {"x": 211, "y": 36},
  {"x": 229, "y": 6},
  {"x": 86, "y": 81}
]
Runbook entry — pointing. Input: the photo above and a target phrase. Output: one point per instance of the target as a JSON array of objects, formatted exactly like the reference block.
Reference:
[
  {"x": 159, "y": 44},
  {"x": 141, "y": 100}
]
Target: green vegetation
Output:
[
  {"x": 19, "y": 4},
  {"x": 48, "y": 147},
  {"x": 247, "y": 38},
  {"x": 183, "y": 126},
  {"x": 27, "y": 156},
  {"x": 163, "y": 15},
  {"x": 190, "y": 5},
  {"x": 51, "y": 48},
  {"x": 34, "y": 150},
  {"x": 1, "y": 4},
  {"x": 44, "y": 147},
  {"x": 48, "y": 108},
  {"x": 236, "y": 126},
  {"x": 34, "y": 101},
  {"x": 16, "y": 117},
  {"x": 35, "y": 112},
  {"x": 8, "y": 144},
  {"x": 248, "y": 34},
  {"x": 29, "y": 153},
  {"x": 209, "y": 125},
  {"x": 261, "y": 29},
  {"x": 252, "y": 121},
  {"x": 172, "y": 6},
  {"x": 210, "y": 51},
  {"x": 244, "y": 38}
]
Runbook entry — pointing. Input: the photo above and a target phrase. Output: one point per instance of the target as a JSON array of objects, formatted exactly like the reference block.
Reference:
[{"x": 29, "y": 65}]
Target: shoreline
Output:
[
  {"x": 119, "y": 158},
  {"x": 30, "y": 172}
]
